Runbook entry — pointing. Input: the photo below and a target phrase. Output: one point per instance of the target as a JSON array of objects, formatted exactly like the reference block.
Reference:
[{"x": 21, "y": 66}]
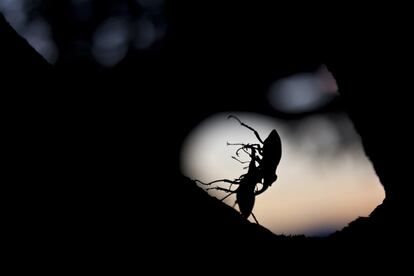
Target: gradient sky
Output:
[{"x": 324, "y": 178}]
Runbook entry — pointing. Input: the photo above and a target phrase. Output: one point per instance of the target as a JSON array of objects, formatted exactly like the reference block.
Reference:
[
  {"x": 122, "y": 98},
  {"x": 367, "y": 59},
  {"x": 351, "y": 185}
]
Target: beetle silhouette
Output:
[
  {"x": 270, "y": 152},
  {"x": 267, "y": 155},
  {"x": 245, "y": 191}
]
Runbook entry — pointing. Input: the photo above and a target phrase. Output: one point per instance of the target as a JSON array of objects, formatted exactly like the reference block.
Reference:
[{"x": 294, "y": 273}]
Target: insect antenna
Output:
[{"x": 249, "y": 127}]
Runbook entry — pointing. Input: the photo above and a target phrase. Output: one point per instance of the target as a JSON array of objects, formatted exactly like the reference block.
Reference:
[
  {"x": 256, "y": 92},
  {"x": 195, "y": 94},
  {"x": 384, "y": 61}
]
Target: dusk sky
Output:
[{"x": 324, "y": 178}]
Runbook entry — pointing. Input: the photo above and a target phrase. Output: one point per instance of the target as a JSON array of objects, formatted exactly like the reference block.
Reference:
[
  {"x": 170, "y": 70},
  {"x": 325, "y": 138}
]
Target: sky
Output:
[{"x": 324, "y": 180}]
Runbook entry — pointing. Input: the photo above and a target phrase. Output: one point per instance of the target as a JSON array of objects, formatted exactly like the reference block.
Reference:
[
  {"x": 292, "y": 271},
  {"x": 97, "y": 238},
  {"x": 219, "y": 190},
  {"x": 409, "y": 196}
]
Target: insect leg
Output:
[
  {"x": 255, "y": 219},
  {"x": 226, "y": 197},
  {"x": 243, "y": 162},
  {"x": 259, "y": 191},
  {"x": 243, "y": 145},
  {"x": 224, "y": 190},
  {"x": 220, "y": 180}
]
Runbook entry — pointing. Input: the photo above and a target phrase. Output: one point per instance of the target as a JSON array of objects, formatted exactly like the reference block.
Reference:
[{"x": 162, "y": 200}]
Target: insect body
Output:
[
  {"x": 264, "y": 159},
  {"x": 270, "y": 152},
  {"x": 245, "y": 196},
  {"x": 246, "y": 185}
]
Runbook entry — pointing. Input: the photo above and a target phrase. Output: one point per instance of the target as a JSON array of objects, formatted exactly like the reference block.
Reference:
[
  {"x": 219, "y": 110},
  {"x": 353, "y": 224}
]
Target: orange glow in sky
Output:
[{"x": 323, "y": 183}]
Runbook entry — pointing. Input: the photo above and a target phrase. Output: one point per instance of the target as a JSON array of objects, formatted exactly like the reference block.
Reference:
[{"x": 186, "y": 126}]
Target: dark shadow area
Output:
[{"x": 92, "y": 147}]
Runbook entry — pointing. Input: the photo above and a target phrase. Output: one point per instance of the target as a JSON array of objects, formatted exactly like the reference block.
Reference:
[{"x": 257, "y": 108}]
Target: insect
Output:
[
  {"x": 264, "y": 159},
  {"x": 270, "y": 151},
  {"x": 245, "y": 191}
]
